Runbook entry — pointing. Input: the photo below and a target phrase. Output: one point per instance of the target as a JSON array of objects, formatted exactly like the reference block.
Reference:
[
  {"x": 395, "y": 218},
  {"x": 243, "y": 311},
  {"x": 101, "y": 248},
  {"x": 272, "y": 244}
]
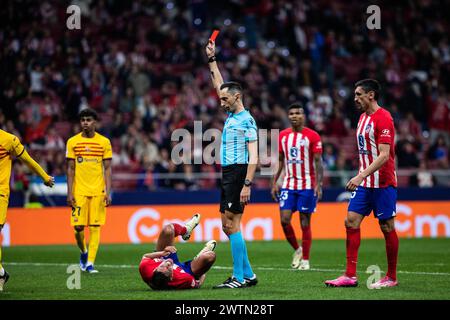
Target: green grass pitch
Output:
[{"x": 39, "y": 272}]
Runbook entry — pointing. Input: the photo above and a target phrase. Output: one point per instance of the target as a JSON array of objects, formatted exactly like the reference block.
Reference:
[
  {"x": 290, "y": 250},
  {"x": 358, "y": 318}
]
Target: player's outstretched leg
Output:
[
  {"x": 209, "y": 246},
  {"x": 190, "y": 226},
  {"x": 204, "y": 260},
  {"x": 173, "y": 230},
  {"x": 167, "y": 235}
]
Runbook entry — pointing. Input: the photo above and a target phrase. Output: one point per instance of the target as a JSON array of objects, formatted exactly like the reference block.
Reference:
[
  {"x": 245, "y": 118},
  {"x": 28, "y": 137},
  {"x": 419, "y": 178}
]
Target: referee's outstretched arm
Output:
[{"x": 216, "y": 77}]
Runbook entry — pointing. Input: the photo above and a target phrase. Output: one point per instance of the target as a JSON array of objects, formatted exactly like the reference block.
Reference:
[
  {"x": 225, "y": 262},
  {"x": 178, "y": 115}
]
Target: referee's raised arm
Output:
[{"x": 216, "y": 77}]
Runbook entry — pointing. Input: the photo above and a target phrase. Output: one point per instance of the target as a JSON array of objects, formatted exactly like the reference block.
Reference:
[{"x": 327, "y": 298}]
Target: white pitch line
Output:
[
  {"x": 49, "y": 264},
  {"x": 127, "y": 266}
]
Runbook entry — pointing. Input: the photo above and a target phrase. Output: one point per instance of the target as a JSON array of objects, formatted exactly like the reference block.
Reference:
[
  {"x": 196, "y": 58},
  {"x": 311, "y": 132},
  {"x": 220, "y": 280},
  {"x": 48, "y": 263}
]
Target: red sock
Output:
[
  {"x": 391, "y": 253},
  {"x": 353, "y": 242},
  {"x": 306, "y": 241},
  {"x": 179, "y": 229},
  {"x": 289, "y": 233}
]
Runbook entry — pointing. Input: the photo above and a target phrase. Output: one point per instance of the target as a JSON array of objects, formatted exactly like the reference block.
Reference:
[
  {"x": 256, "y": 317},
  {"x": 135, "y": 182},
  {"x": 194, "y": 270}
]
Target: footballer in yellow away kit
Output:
[
  {"x": 10, "y": 146},
  {"x": 89, "y": 157}
]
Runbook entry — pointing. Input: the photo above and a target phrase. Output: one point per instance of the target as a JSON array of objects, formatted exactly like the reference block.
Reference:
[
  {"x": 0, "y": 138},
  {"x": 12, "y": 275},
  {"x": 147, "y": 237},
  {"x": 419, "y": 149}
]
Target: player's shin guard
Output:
[
  {"x": 289, "y": 233},
  {"x": 94, "y": 241},
  {"x": 353, "y": 242},
  {"x": 81, "y": 242},
  {"x": 306, "y": 241},
  {"x": 391, "y": 253},
  {"x": 237, "y": 251}
]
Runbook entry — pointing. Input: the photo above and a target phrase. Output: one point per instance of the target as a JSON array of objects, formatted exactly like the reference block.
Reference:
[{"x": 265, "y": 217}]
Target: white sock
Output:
[{"x": 2, "y": 272}]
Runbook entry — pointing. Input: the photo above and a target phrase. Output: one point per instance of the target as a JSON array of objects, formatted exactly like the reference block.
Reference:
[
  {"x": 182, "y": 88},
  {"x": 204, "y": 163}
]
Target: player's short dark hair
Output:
[
  {"x": 159, "y": 281},
  {"x": 233, "y": 87},
  {"x": 369, "y": 85},
  {"x": 88, "y": 113},
  {"x": 296, "y": 105}
]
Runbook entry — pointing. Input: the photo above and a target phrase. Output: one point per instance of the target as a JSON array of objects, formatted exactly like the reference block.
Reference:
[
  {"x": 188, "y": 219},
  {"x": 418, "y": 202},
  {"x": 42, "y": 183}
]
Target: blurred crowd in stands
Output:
[{"x": 142, "y": 66}]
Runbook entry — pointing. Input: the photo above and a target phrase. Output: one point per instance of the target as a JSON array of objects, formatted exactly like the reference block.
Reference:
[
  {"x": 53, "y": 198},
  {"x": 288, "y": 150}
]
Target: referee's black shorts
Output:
[{"x": 233, "y": 177}]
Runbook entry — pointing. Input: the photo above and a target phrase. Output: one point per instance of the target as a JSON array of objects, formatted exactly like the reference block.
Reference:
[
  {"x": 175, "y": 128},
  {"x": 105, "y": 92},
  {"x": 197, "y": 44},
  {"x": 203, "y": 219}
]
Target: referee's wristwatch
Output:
[{"x": 247, "y": 183}]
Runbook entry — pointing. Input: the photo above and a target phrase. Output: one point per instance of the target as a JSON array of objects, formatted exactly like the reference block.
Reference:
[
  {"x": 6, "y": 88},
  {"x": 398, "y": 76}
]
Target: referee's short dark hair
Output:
[
  {"x": 88, "y": 113},
  {"x": 232, "y": 86},
  {"x": 369, "y": 85},
  {"x": 296, "y": 105}
]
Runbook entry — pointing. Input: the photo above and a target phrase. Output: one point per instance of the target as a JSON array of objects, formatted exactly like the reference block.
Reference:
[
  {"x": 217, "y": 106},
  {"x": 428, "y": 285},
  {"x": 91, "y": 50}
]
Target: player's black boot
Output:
[
  {"x": 231, "y": 283},
  {"x": 253, "y": 281}
]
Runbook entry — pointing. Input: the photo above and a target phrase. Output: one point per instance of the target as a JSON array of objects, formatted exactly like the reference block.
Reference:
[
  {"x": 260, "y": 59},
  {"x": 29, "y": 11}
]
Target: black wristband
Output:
[{"x": 212, "y": 59}]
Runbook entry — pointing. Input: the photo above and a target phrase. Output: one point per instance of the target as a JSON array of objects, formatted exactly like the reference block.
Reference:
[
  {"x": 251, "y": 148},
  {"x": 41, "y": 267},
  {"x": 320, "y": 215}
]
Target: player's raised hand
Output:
[
  {"x": 275, "y": 192},
  {"x": 50, "y": 182},
  {"x": 211, "y": 49},
  {"x": 354, "y": 183}
]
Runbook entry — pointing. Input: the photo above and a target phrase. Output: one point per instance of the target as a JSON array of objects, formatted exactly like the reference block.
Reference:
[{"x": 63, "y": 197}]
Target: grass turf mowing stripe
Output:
[{"x": 125, "y": 266}]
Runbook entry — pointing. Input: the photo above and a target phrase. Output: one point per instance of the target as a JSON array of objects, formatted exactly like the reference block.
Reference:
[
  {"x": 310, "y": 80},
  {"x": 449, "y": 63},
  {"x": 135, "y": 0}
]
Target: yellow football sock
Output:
[
  {"x": 94, "y": 241},
  {"x": 81, "y": 242}
]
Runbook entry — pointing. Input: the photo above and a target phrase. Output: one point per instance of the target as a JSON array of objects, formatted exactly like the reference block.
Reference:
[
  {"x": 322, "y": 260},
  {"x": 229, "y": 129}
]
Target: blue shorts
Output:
[
  {"x": 186, "y": 266},
  {"x": 382, "y": 201},
  {"x": 302, "y": 201}
]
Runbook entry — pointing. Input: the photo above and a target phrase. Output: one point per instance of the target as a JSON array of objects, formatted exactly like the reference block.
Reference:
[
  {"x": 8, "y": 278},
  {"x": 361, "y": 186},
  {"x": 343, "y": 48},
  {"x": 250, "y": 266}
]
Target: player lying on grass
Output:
[{"x": 162, "y": 270}]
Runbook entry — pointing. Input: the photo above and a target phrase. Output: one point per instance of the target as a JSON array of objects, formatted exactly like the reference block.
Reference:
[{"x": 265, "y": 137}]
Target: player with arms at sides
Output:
[
  {"x": 162, "y": 270},
  {"x": 300, "y": 153},
  {"x": 89, "y": 157},
  {"x": 10, "y": 147},
  {"x": 239, "y": 158},
  {"x": 375, "y": 187}
]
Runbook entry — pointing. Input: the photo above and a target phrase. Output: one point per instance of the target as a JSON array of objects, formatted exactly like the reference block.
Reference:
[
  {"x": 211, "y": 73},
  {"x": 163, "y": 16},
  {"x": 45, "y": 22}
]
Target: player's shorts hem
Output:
[
  {"x": 231, "y": 210},
  {"x": 362, "y": 214}
]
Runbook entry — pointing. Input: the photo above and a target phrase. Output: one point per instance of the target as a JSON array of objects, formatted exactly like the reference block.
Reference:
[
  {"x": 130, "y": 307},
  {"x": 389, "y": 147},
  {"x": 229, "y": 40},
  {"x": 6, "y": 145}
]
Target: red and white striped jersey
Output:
[
  {"x": 299, "y": 149},
  {"x": 375, "y": 129}
]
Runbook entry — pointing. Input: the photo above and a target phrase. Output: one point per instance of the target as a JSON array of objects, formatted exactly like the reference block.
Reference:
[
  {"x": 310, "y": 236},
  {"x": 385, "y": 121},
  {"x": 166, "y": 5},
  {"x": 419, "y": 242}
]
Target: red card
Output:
[{"x": 214, "y": 35}]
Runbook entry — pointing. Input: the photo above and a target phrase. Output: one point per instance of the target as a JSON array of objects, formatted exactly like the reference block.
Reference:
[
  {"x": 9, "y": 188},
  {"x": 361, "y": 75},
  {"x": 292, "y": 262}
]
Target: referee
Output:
[{"x": 239, "y": 156}]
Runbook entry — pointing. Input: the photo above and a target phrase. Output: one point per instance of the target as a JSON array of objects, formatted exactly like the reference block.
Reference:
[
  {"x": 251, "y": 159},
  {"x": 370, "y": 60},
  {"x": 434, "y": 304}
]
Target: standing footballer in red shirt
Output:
[
  {"x": 162, "y": 270},
  {"x": 375, "y": 187},
  {"x": 300, "y": 151}
]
